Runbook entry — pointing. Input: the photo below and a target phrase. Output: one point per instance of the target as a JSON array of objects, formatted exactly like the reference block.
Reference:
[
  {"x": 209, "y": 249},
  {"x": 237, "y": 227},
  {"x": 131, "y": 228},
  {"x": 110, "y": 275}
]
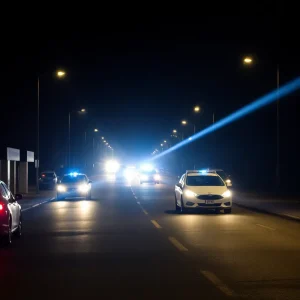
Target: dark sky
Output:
[{"x": 138, "y": 79}]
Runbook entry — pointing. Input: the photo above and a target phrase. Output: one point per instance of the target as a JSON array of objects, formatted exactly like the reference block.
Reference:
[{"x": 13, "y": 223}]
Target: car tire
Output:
[
  {"x": 227, "y": 211},
  {"x": 182, "y": 208},
  {"x": 177, "y": 207},
  {"x": 18, "y": 232}
]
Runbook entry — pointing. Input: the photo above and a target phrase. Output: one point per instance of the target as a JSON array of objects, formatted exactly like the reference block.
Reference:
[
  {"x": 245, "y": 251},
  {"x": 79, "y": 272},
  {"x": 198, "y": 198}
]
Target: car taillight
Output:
[{"x": 1, "y": 207}]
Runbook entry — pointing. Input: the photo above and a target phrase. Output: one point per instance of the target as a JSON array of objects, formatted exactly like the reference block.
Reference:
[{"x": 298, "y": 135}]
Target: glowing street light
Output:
[
  {"x": 60, "y": 73},
  {"x": 161, "y": 145},
  {"x": 83, "y": 110},
  {"x": 96, "y": 130},
  {"x": 197, "y": 109},
  {"x": 165, "y": 141},
  {"x": 248, "y": 60},
  {"x": 174, "y": 131},
  {"x": 183, "y": 122},
  {"x": 102, "y": 138}
]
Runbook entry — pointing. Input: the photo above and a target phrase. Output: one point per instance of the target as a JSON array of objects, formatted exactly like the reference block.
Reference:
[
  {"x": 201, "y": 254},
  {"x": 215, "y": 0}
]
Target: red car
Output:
[{"x": 10, "y": 214}]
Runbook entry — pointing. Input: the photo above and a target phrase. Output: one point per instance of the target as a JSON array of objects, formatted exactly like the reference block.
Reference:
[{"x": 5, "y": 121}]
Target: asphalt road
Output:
[{"x": 128, "y": 242}]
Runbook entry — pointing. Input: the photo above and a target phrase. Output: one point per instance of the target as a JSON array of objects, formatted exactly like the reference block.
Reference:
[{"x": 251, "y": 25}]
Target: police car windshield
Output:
[
  {"x": 203, "y": 180},
  {"x": 73, "y": 179}
]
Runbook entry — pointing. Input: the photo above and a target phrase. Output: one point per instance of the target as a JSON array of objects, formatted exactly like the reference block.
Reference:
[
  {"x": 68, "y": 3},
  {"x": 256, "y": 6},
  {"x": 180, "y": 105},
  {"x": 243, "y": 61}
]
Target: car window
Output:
[
  {"x": 3, "y": 191},
  {"x": 182, "y": 179},
  {"x": 204, "y": 181},
  {"x": 6, "y": 190},
  {"x": 74, "y": 179}
]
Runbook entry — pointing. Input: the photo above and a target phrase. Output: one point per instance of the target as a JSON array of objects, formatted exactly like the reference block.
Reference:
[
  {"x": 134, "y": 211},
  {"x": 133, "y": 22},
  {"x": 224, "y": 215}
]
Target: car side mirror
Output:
[
  {"x": 228, "y": 182},
  {"x": 18, "y": 196},
  {"x": 179, "y": 185}
]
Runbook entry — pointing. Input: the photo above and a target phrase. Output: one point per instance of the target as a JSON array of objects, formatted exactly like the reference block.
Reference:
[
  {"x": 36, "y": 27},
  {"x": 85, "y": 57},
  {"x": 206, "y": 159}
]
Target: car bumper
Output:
[
  {"x": 205, "y": 204},
  {"x": 72, "y": 194}
]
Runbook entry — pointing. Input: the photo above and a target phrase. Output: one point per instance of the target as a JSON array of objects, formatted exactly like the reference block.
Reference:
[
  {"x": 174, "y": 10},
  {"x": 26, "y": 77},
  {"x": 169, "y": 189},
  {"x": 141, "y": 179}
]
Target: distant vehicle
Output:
[
  {"x": 223, "y": 175},
  {"x": 48, "y": 180},
  {"x": 202, "y": 190},
  {"x": 10, "y": 214},
  {"x": 149, "y": 176},
  {"x": 74, "y": 185}
]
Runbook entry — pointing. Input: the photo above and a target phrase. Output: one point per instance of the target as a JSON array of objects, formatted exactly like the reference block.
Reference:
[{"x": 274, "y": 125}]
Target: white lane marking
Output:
[
  {"x": 38, "y": 204},
  {"x": 156, "y": 224},
  {"x": 263, "y": 226},
  {"x": 177, "y": 244},
  {"x": 291, "y": 216},
  {"x": 218, "y": 283},
  {"x": 144, "y": 211}
]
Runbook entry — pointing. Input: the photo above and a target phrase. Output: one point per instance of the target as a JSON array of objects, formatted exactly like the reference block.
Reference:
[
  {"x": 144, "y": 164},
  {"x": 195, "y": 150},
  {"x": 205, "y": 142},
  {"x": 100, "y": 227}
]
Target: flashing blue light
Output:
[
  {"x": 203, "y": 171},
  {"x": 73, "y": 174},
  {"x": 253, "y": 106}
]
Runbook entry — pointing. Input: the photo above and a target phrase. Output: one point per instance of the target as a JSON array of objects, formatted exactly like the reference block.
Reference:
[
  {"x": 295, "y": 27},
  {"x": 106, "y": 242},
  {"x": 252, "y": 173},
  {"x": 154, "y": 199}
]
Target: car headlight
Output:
[
  {"x": 156, "y": 177},
  {"x": 228, "y": 181},
  {"x": 144, "y": 177},
  {"x": 226, "y": 194},
  {"x": 61, "y": 188},
  {"x": 83, "y": 188},
  {"x": 189, "y": 193}
]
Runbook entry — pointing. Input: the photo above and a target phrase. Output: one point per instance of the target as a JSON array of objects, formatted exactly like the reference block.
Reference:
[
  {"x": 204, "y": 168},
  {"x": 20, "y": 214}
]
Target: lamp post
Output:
[
  {"x": 59, "y": 74},
  {"x": 69, "y": 134},
  {"x": 248, "y": 60}
]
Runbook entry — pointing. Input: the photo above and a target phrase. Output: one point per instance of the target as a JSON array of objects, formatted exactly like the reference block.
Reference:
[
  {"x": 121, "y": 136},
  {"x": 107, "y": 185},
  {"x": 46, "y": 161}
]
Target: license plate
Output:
[{"x": 209, "y": 202}]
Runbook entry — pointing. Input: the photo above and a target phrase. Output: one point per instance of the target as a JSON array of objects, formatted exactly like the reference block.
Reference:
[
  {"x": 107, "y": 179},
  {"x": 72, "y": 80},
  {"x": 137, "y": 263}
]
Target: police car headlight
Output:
[
  {"x": 61, "y": 188},
  {"x": 189, "y": 193},
  {"x": 226, "y": 194},
  {"x": 83, "y": 188},
  {"x": 156, "y": 177}
]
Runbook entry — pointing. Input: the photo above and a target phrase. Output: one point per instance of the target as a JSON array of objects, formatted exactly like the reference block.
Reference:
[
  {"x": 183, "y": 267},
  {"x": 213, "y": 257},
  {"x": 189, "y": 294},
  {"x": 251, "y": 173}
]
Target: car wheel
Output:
[
  {"x": 182, "y": 208},
  {"x": 227, "y": 211},
  {"x": 19, "y": 230},
  {"x": 177, "y": 207}
]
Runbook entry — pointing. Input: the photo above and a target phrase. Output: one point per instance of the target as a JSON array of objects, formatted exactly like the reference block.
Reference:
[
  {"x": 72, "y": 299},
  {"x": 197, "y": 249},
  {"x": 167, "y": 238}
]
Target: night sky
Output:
[{"x": 138, "y": 80}]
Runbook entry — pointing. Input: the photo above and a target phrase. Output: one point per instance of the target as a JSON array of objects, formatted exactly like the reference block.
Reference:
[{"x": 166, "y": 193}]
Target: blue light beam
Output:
[{"x": 242, "y": 112}]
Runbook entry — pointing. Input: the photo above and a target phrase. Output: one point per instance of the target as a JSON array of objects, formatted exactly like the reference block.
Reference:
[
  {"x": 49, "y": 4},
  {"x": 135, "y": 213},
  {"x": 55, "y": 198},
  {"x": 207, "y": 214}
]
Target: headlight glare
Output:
[
  {"x": 61, "y": 188},
  {"x": 83, "y": 188},
  {"x": 189, "y": 193},
  {"x": 226, "y": 194}
]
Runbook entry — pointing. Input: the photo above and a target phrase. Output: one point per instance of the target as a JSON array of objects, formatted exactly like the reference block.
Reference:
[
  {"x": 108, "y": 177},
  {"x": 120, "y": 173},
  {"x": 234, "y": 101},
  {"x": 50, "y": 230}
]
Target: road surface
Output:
[{"x": 128, "y": 242}]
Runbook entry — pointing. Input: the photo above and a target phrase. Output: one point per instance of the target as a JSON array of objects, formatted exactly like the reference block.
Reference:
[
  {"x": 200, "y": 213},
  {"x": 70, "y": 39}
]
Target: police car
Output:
[
  {"x": 74, "y": 185},
  {"x": 202, "y": 190}
]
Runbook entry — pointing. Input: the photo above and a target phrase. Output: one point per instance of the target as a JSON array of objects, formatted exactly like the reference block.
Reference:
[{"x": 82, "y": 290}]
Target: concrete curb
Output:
[{"x": 260, "y": 210}]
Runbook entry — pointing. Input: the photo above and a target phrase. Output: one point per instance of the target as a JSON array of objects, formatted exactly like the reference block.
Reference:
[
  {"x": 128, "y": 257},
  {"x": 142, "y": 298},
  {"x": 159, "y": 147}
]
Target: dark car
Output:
[
  {"x": 48, "y": 180},
  {"x": 10, "y": 214}
]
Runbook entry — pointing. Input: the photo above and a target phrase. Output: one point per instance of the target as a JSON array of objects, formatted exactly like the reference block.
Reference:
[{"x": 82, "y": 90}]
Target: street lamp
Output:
[
  {"x": 102, "y": 138},
  {"x": 69, "y": 140},
  {"x": 96, "y": 130},
  {"x": 183, "y": 122},
  {"x": 174, "y": 131},
  {"x": 59, "y": 74},
  {"x": 165, "y": 141},
  {"x": 248, "y": 60},
  {"x": 197, "y": 109}
]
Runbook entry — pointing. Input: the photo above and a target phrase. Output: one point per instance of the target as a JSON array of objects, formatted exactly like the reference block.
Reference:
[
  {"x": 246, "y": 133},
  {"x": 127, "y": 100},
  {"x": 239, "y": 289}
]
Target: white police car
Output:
[
  {"x": 202, "y": 190},
  {"x": 74, "y": 185}
]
